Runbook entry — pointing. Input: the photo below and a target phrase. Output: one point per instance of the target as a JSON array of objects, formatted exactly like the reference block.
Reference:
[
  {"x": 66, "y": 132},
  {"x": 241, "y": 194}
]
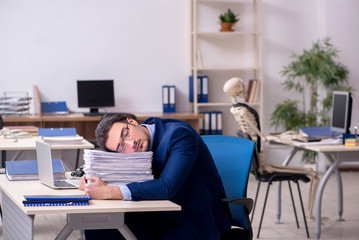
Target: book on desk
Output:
[
  {"x": 317, "y": 133},
  {"x": 27, "y": 170}
]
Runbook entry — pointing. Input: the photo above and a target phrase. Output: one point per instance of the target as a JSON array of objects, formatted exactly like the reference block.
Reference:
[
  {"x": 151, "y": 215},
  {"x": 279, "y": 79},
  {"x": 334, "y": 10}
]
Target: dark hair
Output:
[{"x": 106, "y": 123}]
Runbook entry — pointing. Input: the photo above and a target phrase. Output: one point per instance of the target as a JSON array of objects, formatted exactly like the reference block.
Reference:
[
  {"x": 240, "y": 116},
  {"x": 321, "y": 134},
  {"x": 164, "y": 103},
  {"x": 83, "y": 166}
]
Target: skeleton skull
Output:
[{"x": 235, "y": 87}]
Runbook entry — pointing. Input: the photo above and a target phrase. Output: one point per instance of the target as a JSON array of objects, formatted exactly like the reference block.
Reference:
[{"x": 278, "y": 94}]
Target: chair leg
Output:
[
  {"x": 264, "y": 207},
  {"x": 301, "y": 203},
  {"x": 295, "y": 210},
  {"x": 255, "y": 201}
]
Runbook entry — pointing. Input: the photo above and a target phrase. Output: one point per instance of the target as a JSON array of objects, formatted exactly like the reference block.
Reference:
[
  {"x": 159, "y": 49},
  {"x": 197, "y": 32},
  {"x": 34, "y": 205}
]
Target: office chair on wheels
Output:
[
  {"x": 233, "y": 156},
  {"x": 248, "y": 122}
]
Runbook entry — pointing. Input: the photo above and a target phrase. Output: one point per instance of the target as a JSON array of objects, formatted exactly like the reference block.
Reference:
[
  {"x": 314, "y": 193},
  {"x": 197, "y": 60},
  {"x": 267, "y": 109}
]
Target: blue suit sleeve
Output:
[{"x": 179, "y": 150}]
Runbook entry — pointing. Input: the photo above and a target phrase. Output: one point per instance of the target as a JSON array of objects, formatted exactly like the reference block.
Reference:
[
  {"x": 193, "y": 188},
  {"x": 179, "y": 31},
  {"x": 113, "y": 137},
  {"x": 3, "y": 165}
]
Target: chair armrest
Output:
[{"x": 245, "y": 202}]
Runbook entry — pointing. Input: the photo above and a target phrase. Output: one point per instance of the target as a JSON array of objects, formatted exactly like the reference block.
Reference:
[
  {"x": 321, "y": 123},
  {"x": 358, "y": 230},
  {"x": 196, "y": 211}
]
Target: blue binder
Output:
[
  {"x": 219, "y": 119},
  {"x": 169, "y": 98},
  {"x": 211, "y": 124},
  {"x": 165, "y": 99},
  {"x": 172, "y": 98},
  {"x": 206, "y": 123},
  {"x": 204, "y": 89},
  {"x": 191, "y": 88},
  {"x": 56, "y": 132}
]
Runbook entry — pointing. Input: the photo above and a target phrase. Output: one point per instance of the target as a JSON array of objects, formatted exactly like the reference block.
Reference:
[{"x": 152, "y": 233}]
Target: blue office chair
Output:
[{"x": 233, "y": 156}]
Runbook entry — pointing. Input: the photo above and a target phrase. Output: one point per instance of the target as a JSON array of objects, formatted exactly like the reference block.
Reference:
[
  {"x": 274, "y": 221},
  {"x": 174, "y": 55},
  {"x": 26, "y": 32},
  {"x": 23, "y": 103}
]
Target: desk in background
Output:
[
  {"x": 86, "y": 125},
  {"x": 18, "y": 221},
  {"x": 335, "y": 154},
  {"x": 7, "y": 144}
]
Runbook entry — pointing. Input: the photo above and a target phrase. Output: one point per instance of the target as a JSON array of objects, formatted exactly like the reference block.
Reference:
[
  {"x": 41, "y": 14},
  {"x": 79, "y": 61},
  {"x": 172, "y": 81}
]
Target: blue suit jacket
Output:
[{"x": 185, "y": 173}]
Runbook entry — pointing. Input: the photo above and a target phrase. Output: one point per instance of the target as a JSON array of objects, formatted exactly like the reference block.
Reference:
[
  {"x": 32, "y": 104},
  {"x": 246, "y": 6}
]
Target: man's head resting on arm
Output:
[{"x": 122, "y": 133}]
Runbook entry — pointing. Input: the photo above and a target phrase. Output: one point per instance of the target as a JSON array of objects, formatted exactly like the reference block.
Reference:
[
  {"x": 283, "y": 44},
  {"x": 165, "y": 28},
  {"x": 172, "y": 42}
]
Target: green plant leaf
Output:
[
  {"x": 314, "y": 71},
  {"x": 228, "y": 17}
]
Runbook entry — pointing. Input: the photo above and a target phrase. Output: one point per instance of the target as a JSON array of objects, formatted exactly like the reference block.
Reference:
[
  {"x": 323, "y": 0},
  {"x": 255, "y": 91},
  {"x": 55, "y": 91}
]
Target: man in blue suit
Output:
[{"x": 184, "y": 173}]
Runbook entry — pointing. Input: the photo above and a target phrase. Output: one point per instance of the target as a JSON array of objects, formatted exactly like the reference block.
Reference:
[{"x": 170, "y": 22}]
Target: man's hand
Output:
[
  {"x": 95, "y": 188},
  {"x": 82, "y": 183}
]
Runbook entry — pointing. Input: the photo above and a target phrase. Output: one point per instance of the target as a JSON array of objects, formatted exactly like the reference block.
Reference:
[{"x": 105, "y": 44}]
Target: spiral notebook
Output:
[{"x": 56, "y": 200}]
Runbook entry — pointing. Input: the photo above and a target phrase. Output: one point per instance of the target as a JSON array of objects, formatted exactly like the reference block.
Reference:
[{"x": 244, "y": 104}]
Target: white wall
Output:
[
  {"x": 145, "y": 44},
  {"x": 140, "y": 44}
]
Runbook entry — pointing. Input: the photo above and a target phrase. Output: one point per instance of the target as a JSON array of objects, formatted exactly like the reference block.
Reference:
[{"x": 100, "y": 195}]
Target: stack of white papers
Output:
[
  {"x": 118, "y": 168},
  {"x": 63, "y": 140}
]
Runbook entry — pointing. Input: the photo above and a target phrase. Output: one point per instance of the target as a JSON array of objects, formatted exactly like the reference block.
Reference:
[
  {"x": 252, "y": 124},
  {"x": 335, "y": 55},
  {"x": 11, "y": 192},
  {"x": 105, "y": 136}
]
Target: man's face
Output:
[{"x": 128, "y": 137}]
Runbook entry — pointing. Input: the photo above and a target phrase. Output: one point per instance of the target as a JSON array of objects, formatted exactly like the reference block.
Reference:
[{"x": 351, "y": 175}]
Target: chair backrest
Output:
[
  {"x": 232, "y": 156},
  {"x": 246, "y": 135}
]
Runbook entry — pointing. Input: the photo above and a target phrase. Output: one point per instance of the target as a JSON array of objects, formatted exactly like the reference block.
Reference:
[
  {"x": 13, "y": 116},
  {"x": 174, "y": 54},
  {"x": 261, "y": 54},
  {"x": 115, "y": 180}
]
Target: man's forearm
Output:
[{"x": 113, "y": 192}]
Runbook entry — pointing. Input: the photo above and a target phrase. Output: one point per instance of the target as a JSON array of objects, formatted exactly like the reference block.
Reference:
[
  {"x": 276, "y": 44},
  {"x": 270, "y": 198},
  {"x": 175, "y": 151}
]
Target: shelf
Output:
[
  {"x": 221, "y": 56},
  {"x": 219, "y": 1},
  {"x": 227, "y": 69},
  {"x": 214, "y": 104},
  {"x": 219, "y": 104},
  {"x": 225, "y": 34}
]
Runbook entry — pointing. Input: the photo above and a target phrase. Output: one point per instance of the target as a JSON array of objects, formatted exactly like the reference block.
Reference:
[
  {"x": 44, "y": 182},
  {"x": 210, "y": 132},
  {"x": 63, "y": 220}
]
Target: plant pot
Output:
[{"x": 226, "y": 27}]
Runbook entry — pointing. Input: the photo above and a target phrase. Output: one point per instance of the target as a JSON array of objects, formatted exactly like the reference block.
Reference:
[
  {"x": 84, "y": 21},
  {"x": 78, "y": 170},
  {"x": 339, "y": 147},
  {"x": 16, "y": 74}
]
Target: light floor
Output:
[{"x": 48, "y": 226}]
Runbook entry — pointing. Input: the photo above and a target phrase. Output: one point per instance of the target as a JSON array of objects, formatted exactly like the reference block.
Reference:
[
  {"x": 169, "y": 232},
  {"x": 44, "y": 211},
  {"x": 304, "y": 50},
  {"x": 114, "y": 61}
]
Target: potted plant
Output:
[
  {"x": 316, "y": 74},
  {"x": 227, "y": 20}
]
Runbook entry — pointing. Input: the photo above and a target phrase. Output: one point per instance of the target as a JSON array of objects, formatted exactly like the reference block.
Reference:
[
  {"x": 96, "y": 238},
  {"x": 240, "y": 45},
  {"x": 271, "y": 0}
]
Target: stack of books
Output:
[
  {"x": 56, "y": 200},
  {"x": 252, "y": 90},
  {"x": 118, "y": 168}
]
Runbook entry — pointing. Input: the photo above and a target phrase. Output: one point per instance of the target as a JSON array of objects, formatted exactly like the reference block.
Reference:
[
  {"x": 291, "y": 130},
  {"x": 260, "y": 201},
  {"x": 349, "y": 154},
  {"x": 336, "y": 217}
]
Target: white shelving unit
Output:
[{"x": 226, "y": 54}]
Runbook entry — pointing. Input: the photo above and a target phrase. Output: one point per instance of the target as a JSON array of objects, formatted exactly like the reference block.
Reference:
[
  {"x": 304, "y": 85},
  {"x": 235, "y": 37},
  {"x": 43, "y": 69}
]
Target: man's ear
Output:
[{"x": 132, "y": 121}]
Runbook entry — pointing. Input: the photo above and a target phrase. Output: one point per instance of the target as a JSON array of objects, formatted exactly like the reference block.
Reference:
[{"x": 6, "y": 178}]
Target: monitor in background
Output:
[
  {"x": 341, "y": 112},
  {"x": 94, "y": 94}
]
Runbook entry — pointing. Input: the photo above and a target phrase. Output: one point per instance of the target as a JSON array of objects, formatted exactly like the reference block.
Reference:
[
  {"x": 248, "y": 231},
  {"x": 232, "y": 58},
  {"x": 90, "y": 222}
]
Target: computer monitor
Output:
[
  {"x": 341, "y": 112},
  {"x": 94, "y": 94}
]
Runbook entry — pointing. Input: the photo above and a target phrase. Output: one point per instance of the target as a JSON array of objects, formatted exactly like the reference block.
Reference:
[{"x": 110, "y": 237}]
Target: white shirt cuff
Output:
[{"x": 126, "y": 193}]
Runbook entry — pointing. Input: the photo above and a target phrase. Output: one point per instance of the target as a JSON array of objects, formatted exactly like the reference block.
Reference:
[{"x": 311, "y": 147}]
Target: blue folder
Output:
[
  {"x": 317, "y": 133},
  {"x": 27, "y": 169},
  {"x": 56, "y": 132},
  {"x": 54, "y": 107}
]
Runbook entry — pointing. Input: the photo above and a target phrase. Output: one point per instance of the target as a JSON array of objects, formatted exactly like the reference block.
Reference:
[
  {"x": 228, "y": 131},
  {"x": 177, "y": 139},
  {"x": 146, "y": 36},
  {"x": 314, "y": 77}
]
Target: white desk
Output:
[
  {"x": 22, "y": 144},
  {"x": 342, "y": 154},
  {"x": 18, "y": 221}
]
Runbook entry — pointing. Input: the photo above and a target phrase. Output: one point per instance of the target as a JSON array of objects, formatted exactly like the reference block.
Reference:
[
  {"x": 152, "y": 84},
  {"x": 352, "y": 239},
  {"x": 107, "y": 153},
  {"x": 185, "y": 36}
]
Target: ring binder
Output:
[
  {"x": 38, "y": 204},
  {"x": 56, "y": 200}
]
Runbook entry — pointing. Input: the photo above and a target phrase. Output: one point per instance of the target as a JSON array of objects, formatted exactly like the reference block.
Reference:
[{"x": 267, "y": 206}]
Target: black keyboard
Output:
[{"x": 62, "y": 183}]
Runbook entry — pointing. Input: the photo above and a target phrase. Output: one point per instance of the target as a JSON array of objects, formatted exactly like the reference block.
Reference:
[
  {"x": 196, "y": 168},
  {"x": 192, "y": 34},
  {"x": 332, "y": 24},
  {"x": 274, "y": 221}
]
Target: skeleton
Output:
[{"x": 249, "y": 124}]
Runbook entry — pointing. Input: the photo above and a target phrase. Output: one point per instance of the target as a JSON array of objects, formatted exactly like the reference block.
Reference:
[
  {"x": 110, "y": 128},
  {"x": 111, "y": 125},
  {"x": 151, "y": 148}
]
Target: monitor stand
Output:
[{"x": 93, "y": 112}]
